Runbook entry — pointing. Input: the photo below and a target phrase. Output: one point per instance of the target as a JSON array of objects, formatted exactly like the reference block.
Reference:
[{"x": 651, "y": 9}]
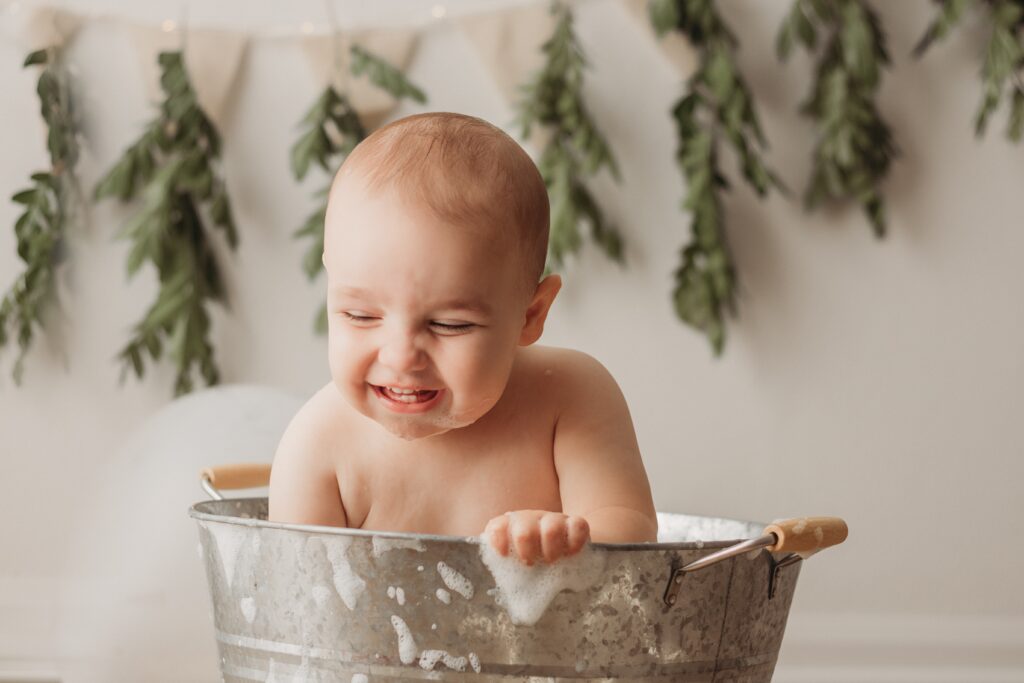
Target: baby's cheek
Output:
[
  {"x": 344, "y": 360},
  {"x": 483, "y": 379}
]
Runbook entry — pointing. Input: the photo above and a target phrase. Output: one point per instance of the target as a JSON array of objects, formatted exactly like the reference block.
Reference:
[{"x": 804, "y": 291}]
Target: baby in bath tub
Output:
[{"x": 442, "y": 416}]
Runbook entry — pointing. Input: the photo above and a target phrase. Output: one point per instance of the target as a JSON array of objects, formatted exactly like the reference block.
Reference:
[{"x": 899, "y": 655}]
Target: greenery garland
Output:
[
  {"x": 41, "y": 229},
  {"x": 717, "y": 106},
  {"x": 576, "y": 148},
  {"x": 332, "y": 129},
  {"x": 855, "y": 146},
  {"x": 1003, "y": 70},
  {"x": 174, "y": 166}
]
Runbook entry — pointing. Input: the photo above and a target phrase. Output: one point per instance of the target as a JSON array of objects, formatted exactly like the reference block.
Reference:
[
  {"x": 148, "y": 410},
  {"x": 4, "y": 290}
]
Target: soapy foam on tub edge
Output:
[
  {"x": 350, "y": 586},
  {"x": 320, "y": 594},
  {"x": 430, "y": 658},
  {"x": 383, "y": 545},
  {"x": 229, "y": 540},
  {"x": 455, "y": 581},
  {"x": 406, "y": 644},
  {"x": 525, "y": 592},
  {"x": 248, "y": 606}
]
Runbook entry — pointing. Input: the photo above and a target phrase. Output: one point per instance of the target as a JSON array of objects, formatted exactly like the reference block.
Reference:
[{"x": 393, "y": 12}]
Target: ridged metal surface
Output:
[{"x": 302, "y": 603}]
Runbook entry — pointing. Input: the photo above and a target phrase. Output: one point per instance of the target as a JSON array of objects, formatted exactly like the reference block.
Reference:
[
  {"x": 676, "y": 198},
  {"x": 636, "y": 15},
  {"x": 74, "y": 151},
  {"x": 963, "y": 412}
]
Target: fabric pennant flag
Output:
[
  {"x": 212, "y": 59},
  {"x": 676, "y": 48},
  {"x": 330, "y": 61},
  {"x": 51, "y": 27},
  {"x": 509, "y": 44}
]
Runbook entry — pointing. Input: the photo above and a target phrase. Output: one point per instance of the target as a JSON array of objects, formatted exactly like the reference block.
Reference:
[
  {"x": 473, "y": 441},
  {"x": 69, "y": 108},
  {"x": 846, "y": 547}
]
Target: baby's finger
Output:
[
  {"x": 554, "y": 536},
  {"x": 496, "y": 533},
  {"x": 579, "y": 534},
  {"x": 525, "y": 539}
]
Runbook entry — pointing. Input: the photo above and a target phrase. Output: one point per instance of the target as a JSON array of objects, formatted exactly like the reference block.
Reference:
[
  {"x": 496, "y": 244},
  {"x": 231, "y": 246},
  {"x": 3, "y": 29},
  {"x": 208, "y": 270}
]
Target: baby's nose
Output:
[{"x": 403, "y": 354}]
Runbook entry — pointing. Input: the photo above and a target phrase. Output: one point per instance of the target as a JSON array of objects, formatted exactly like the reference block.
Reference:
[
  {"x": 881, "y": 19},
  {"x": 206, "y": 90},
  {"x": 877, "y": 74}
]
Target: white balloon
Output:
[{"x": 138, "y": 606}]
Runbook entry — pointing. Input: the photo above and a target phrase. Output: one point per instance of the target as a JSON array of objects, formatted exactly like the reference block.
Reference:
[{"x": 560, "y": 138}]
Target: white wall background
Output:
[{"x": 878, "y": 381}]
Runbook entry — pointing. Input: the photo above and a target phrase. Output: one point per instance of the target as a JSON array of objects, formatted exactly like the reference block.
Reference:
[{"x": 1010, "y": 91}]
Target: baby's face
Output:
[{"x": 424, "y": 316}]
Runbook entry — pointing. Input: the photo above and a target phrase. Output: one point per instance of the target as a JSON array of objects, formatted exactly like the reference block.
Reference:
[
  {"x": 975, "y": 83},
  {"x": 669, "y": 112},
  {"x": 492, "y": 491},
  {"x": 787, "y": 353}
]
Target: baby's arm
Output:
[
  {"x": 303, "y": 481},
  {"x": 602, "y": 482}
]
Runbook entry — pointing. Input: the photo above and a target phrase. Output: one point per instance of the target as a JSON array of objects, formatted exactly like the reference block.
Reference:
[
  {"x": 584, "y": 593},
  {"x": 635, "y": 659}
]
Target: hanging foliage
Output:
[
  {"x": 174, "y": 168},
  {"x": 1003, "y": 70},
  {"x": 331, "y": 130},
  {"x": 855, "y": 147},
  {"x": 718, "y": 106},
  {"x": 41, "y": 229},
  {"x": 576, "y": 150}
]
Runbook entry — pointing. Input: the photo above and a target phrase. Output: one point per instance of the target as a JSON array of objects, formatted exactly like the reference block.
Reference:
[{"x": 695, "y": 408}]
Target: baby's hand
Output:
[{"x": 533, "y": 535}]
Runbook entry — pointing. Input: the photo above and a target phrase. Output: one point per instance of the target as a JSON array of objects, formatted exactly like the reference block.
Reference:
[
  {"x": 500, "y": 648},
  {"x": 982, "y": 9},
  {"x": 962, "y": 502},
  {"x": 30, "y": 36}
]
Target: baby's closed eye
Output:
[{"x": 452, "y": 327}]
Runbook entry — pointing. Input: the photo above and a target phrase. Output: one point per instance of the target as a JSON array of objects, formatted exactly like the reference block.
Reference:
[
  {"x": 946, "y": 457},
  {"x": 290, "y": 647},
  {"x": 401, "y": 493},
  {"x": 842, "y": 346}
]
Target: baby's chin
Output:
[{"x": 422, "y": 427}]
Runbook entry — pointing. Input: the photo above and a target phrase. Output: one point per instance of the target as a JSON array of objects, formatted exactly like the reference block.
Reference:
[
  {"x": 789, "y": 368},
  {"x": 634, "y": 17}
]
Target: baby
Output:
[{"x": 441, "y": 416}]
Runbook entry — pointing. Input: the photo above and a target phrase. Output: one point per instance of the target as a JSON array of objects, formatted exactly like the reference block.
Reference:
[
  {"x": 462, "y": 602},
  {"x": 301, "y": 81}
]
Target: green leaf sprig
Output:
[
  {"x": 41, "y": 229},
  {"x": 718, "y": 106},
  {"x": 331, "y": 130},
  {"x": 1002, "y": 73},
  {"x": 576, "y": 149},
  {"x": 174, "y": 165},
  {"x": 855, "y": 147}
]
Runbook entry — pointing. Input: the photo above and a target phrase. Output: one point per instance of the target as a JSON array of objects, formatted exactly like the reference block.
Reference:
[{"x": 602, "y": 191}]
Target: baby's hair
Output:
[{"x": 467, "y": 171}]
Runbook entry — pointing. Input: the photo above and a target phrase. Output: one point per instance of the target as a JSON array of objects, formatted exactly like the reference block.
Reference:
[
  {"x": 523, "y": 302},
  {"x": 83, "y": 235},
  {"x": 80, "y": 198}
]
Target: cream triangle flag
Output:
[
  {"x": 509, "y": 44},
  {"x": 330, "y": 61},
  {"x": 676, "y": 48},
  {"x": 51, "y": 27},
  {"x": 212, "y": 58}
]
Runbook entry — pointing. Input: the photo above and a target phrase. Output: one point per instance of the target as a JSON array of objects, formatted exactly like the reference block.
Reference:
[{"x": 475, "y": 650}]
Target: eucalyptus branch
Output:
[
  {"x": 1003, "y": 70},
  {"x": 855, "y": 147},
  {"x": 717, "y": 107},
  {"x": 576, "y": 150},
  {"x": 41, "y": 229},
  {"x": 331, "y": 129},
  {"x": 174, "y": 165},
  {"x": 949, "y": 14},
  {"x": 384, "y": 75}
]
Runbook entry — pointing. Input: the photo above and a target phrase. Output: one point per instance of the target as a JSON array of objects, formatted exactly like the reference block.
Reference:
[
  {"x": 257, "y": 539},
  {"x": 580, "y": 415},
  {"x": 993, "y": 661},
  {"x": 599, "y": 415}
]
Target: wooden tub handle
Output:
[
  {"x": 246, "y": 475},
  {"x": 807, "y": 534}
]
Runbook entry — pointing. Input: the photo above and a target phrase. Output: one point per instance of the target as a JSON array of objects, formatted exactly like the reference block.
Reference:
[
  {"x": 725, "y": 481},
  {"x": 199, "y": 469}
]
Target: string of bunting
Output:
[{"x": 172, "y": 172}]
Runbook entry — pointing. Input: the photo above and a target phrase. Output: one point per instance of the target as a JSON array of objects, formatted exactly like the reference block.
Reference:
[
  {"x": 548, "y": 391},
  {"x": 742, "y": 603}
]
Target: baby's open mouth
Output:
[{"x": 406, "y": 395}]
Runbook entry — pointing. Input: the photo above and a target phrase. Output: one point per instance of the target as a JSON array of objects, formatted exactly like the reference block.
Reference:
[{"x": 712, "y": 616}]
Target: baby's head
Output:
[{"x": 434, "y": 246}]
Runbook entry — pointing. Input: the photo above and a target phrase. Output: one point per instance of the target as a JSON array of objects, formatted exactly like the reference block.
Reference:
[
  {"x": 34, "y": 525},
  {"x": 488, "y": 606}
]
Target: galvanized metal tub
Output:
[{"x": 308, "y": 603}]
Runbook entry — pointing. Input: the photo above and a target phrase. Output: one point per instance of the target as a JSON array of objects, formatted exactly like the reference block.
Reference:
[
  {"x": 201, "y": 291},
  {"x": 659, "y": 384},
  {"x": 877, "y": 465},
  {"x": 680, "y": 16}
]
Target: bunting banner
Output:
[
  {"x": 506, "y": 40},
  {"x": 212, "y": 58},
  {"x": 51, "y": 27},
  {"x": 509, "y": 45},
  {"x": 675, "y": 47},
  {"x": 329, "y": 58}
]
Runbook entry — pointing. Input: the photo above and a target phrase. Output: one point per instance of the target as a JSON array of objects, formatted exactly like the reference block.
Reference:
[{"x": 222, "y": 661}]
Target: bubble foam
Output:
[
  {"x": 406, "y": 644},
  {"x": 525, "y": 592},
  {"x": 349, "y": 585},
  {"x": 455, "y": 581},
  {"x": 430, "y": 658}
]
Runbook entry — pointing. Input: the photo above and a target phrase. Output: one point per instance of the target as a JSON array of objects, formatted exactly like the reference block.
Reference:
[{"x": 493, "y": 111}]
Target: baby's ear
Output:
[{"x": 537, "y": 311}]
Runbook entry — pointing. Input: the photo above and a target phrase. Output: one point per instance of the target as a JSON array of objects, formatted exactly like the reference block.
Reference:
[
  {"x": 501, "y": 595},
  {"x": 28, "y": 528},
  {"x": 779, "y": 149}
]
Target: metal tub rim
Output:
[{"x": 200, "y": 511}]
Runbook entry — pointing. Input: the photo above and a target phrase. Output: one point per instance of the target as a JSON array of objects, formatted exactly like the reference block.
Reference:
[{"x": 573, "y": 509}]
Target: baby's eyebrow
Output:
[
  {"x": 470, "y": 305},
  {"x": 465, "y": 305},
  {"x": 357, "y": 292}
]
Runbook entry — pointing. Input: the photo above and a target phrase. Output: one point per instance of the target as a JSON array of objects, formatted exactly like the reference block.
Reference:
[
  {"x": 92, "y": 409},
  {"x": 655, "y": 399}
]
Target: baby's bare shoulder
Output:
[
  {"x": 303, "y": 481},
  {"x": 565, "y": 372},
  {"x": 318, "y": 422}
]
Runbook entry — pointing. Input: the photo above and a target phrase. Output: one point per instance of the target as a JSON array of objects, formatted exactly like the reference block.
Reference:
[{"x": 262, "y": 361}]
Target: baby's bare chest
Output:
[{"x": 456, "y": 490}]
